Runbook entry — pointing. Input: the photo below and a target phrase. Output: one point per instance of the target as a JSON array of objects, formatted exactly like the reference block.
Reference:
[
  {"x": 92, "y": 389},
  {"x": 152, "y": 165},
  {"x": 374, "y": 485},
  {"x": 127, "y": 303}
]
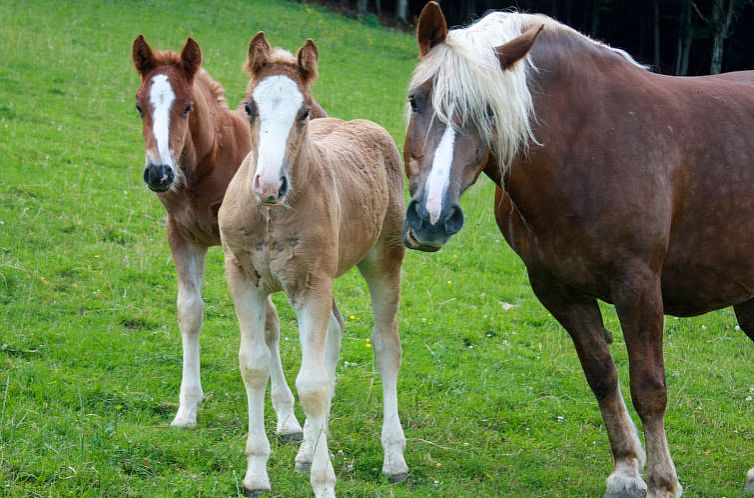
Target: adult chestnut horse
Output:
[
  {"x": 310, "y": 201},
  {"x": 194, "y": 145},
  {"x": 614, "y": 183}
]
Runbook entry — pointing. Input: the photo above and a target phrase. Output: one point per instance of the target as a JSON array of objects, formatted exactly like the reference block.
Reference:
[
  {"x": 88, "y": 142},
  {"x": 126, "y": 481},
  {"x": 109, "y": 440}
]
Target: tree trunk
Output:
[
  {"x": 722, "y": 18},
  {"x": 361, "y": 8},
  {"x": 401, "y": 10},
  {"x": 656, "y": 21},
  {"x": 685, "y": 37},
  {"x": 595, "y": 18},
  {"x": 378, "y": 7}
]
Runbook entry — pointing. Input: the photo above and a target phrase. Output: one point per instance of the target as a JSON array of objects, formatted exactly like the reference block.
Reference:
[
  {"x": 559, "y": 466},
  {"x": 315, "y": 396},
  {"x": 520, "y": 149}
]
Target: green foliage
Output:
[{"x": 493, "y": 401}]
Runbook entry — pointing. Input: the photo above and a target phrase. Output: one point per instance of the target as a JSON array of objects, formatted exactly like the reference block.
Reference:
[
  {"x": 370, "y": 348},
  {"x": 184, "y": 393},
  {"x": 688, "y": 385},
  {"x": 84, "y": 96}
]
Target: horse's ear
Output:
[
  {"x": 511, "y": 52},
  {"x": 431, "y": 28},
  {"x": 143, "y": 56},
  {"x": 307, "y": 60},
  {"x": 191, "y": 58},
  {"x": 259, "y": 53}
]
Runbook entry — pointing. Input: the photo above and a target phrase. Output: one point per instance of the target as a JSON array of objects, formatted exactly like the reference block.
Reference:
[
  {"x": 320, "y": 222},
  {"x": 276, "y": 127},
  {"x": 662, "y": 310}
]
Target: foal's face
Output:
[
  {"x": 277, "y": 118},
  {"x": 278, "y": 105},
  {"x": 164, "y": 101}
]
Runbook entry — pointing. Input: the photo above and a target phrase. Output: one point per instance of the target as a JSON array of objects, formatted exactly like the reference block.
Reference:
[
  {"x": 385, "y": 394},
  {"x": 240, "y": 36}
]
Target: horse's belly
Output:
[{"x": 708, "y": 277}]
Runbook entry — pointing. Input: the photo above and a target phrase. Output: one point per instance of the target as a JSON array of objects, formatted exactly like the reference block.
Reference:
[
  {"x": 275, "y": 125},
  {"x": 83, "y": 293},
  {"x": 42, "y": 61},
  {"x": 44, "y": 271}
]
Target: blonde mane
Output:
[{"x": 470, "y": 86}]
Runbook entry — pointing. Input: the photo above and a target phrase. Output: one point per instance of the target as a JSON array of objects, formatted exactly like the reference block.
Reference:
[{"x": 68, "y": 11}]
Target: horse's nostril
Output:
[
  {"x": 454, "y": 220},
  {"x": 283, "y": 187}
]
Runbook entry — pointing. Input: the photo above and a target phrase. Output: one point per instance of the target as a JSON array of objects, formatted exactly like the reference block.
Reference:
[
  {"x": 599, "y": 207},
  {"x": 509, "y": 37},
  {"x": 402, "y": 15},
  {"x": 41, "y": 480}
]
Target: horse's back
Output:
[{"x": 361, "y": 162}]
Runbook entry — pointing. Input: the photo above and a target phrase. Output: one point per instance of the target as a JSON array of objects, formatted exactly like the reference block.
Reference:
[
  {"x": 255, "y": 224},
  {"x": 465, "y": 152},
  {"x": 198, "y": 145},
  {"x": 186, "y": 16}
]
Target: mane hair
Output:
[
  {"x": 470, "y": 87},
  {"x": 170, "y": 58},
  {"x": 278, "y": 57}
]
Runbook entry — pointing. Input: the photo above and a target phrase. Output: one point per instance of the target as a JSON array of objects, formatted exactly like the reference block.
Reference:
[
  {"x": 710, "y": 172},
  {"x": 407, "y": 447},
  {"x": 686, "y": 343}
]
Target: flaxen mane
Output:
[{"x": 470, "y": 87}]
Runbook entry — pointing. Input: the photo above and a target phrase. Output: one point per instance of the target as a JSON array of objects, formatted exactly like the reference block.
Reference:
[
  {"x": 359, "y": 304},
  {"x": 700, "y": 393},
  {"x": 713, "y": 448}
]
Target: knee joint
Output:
[{"x": 255, "y": 364}]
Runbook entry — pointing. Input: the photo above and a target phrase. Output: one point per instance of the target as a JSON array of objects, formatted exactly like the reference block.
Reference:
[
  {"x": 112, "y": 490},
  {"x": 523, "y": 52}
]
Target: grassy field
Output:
[{"x": 492, "y": 397}]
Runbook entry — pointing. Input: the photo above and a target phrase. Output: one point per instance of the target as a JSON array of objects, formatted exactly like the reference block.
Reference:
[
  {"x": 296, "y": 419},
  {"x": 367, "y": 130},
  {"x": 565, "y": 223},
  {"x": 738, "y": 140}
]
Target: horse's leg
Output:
[
  {"x": 288, "y": 428},
  {"x": 638, "y": 303},
  {"x": 382, "y": 271},
  {"x": 745, "y": 316},
  {"x": 314, "y": 310},
  {"x": 332, "y": 355},
  {"x": 189, "y": 265},
  {"x": 255, "y": 360},
  {"x": 582, "y": 319}
]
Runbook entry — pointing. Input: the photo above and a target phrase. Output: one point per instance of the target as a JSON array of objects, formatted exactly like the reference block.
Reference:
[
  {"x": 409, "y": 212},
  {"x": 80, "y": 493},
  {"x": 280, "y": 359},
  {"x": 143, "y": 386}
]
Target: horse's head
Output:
[
  {"x": 165, "y": 100},
  {"x": 454, "y": 122},
  {"x": 279, "y": 104}
]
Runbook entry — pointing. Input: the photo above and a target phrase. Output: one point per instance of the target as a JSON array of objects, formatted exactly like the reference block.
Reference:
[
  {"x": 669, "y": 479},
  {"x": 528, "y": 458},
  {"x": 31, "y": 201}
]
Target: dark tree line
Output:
[{"x": 682, "y": 37}]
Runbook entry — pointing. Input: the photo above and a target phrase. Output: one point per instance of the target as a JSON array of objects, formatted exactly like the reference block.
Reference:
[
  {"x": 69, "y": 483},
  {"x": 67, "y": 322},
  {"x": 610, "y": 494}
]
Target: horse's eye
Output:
[
  {"x": 412, "y": 103},
  {"x": 251, "y": 109},
  {"x": 187, "y": 110},
  {"x": 138, "y": 108},
  {"x": 304, "y": 114}
]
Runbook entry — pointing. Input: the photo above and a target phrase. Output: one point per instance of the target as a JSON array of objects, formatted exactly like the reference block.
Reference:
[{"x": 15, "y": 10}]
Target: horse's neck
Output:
[
  {"x": 306, "y": 171},
  {"x": 203, "y": 127}
]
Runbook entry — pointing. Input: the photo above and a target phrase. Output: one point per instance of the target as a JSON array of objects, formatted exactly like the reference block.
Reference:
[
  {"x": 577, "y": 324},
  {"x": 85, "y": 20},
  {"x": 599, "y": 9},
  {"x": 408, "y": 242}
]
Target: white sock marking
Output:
[
  {"x": 439, "y": 175},
  {"x": 278, "y": 100}
]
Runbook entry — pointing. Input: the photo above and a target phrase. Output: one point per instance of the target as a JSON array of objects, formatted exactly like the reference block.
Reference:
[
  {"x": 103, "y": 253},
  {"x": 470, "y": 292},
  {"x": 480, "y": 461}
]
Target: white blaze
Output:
[
  {"x": 278, "y": 100},
  {"x": 439, "y": 175},
  {"x": 161, "y": 97}
]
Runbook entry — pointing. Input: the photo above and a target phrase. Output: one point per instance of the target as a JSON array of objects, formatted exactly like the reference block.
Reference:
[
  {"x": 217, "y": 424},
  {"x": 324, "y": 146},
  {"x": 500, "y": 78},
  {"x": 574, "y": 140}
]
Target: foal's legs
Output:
[
  {"x": 582, "y": 319},
  {"x": 288, "y": 428},
  {"x": 382, "y": 271},
  {"x": 314, "y": 310},
  {"x": 745, "y": 316},
  {"x": 332, "y": 355},
  {"x": 255, "y": 360},
  {"x": 638, "y": 302},
  {"x": 189, "y": 265}
]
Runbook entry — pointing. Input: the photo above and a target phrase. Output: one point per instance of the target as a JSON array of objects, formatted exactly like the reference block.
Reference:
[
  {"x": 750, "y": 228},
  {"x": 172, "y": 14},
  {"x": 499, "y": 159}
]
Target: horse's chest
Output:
[
  {"x": 197, "y": 224},
  {"x": 271, "y": 262}
]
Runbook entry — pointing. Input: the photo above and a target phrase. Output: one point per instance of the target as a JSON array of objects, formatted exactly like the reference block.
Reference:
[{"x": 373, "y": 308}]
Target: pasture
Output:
[{"x": 492, "y": 397}]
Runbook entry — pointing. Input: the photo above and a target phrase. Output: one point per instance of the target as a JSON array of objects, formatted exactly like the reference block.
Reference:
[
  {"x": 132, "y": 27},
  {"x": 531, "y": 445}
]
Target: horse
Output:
[
  {"x": 194, "y": 144},
  {"x": 613, "y": 184},
  {"x": 312, "y": 199}
]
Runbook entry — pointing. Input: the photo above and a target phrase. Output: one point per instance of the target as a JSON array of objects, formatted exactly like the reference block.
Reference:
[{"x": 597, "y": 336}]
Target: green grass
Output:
[{"x": 89, "y": 347}]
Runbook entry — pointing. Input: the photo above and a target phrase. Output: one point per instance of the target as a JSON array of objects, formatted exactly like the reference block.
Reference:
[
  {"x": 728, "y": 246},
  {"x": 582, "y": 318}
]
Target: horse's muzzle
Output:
[
  {"x": 159, "y": 177},
  {"x": 420, "y": 234},
  {"x": 271, "y": 194}
]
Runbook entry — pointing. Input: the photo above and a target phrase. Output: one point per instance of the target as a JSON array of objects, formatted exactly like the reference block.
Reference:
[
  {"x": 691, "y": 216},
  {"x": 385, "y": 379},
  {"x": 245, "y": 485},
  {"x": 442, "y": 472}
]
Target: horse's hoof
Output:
[
  {"x": 291, "y": 437},
  {"x": 182, "y": 423},
  {"x": 396, "y": 478},
  {"x": 627, "y": 493},
  {"x": 620, "y": 485},
  {"x": 303, "y": 466},
  {"x": 749, "y": 481},
  {"x": 253, "y": 493}
]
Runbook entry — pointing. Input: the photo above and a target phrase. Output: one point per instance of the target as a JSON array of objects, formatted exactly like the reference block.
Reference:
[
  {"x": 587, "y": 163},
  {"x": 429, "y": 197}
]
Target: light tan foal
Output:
[{"x": 310, "y": 201}]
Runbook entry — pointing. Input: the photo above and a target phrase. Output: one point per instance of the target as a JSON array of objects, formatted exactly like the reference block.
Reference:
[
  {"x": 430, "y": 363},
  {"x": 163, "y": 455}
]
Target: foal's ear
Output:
[
  {"x": 259, "y": 53},
  {"x": 307, "y": 60},
  {"x": 431, "y": 28},
  {"x": 512, "y": 51},
  {"x": 191, "y": 58},
  {"x": 143, "y": 56}
]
